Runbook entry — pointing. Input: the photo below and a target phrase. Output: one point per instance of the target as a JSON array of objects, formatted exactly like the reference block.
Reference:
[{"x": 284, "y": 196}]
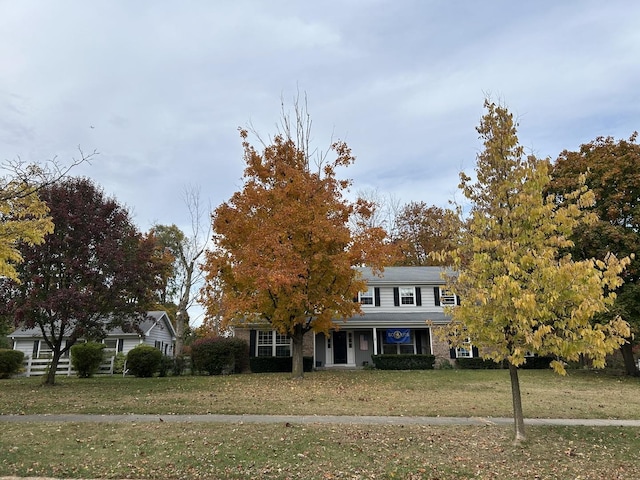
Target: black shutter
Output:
[
  {"x": 376, "y": 294},
  {"x": 418, "y": 337},
  {"x": 436, "y": 295},
  {"x": 452, "y": 353},
  {"x": 396, "y": 296},
  {"x": 418, "y": 297},
  {"x": 474, "y": 352},
  {"x": 457, "y": 300},
  {"x": 252, "y": 343}
]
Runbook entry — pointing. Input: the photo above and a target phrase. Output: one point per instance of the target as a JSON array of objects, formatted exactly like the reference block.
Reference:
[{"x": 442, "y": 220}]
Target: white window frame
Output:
[
  {"x": 465, "y": 351},
  {"x": 447, "y": 298},
  {"x": 388, "y": 347},
  {"x": 406, "y": 293},
  {"x": 367, "y": 298},
  {"x": 271, "y": 340}
]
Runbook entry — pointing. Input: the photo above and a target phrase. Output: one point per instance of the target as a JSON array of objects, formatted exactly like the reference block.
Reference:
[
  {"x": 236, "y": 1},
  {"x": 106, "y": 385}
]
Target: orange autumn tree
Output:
[{"x": 284, "y": 252}]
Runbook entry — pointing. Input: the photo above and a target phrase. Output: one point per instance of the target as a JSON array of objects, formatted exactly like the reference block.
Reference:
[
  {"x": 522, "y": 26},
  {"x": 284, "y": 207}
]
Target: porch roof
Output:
[{"x": 385, "y": 320}]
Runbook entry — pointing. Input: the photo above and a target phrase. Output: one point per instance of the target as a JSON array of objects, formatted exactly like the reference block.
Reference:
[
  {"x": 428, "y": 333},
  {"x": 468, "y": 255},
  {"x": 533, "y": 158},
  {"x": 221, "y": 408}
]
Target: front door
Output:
[{"x": 340, "y": 347}]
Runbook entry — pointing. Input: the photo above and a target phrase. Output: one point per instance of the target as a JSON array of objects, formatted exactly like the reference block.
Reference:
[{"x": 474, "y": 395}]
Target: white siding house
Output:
[{"x": 155, "y": 330}]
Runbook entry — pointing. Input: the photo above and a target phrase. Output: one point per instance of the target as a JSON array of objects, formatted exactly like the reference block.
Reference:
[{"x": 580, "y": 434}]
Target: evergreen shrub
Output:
[
  {"x": 86, "y": 358},
  {"x": 144, "y": 360},
  {"x": 10, "y": 362}
]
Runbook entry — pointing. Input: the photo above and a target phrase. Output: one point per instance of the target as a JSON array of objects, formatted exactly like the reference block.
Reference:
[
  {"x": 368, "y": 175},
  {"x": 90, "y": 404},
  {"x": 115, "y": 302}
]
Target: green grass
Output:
[
  {"x": 457, "y": 393},
  {"x": 311, "y": 451}
]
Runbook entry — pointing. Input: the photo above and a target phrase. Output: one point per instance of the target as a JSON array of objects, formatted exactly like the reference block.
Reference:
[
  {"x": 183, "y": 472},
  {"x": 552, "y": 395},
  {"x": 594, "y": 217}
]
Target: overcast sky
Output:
[{"x": 159, "y": 88}]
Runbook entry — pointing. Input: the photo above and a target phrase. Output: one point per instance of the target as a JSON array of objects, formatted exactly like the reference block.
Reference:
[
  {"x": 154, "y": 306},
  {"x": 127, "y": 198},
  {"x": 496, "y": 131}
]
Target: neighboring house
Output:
[
  {"x": 401, "y": 311},
  {"x": 155, "y": 330}
]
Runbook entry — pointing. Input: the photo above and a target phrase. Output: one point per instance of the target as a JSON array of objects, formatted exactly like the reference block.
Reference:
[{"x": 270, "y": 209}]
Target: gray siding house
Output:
[{"x": 402, "y": 309}]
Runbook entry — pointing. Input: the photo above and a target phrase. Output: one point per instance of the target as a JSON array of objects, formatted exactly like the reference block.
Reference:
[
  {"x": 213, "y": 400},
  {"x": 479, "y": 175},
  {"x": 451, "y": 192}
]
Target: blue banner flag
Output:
[{"x": 399, "y": 335}]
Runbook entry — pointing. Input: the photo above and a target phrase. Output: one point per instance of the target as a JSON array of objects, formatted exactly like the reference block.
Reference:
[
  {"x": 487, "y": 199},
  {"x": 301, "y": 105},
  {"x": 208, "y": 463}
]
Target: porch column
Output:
[{"x": 375, "y": 341}]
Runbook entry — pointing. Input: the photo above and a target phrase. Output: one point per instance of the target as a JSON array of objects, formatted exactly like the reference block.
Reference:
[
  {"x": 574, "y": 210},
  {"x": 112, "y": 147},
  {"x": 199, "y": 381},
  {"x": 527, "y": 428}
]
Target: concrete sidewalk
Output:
[{"x": 310, "y": 419}]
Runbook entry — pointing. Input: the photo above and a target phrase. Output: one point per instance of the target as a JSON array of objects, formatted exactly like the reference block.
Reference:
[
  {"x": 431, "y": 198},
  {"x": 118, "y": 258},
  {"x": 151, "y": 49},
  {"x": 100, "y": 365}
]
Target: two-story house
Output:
[{"x": 401, "y": 310}]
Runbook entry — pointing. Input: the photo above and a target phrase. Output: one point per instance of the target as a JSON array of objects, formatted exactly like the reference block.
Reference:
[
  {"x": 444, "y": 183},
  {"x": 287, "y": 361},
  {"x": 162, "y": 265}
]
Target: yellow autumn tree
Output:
[
  {"x": 284, "y": 251},
  {"x": 520, "y": 291},
  {"x": 23, "y": 219}
]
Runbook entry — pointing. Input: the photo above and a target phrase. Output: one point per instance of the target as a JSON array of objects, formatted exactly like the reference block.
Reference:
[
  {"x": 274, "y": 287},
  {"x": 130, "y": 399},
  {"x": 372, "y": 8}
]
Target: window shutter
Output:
[
  {"x": 376, "y": 294},
  {"x": 418, "y": 297},
  {"x": 396, "y": 296},
  {"x": 457, "y": 300},
  {"x": 474, "y": 352},
  {"x": 436, "y": 295},
  {"x": 252, "y": 343},
  {"x": 452, "y": 353}
]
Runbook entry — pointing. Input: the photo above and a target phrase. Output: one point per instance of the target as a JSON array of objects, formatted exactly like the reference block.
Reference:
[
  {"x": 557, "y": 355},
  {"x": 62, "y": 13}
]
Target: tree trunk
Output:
[
  {"x": 50, "y": 378},
  {"x": 630, "y": 366},
  {"x": 180, "y": 319},
  {"x": 518, "y": 417},
  {"x": 297, "y": 369}
]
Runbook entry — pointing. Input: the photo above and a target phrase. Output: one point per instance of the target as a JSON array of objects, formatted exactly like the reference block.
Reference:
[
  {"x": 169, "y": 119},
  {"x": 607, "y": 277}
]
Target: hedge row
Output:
[
  {"x": 533, "y": 363},
  {"x": 220, "y": 355},
  {"x": 277, "y": 364},
  {"x": 403, "y": 362}
]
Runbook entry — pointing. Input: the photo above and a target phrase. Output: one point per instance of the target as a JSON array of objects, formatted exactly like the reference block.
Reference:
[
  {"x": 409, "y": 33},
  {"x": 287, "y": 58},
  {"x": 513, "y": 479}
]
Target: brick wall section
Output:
[
  {"x": 242, "y": 333},
  {"x": 441, "y": 348},
  {"x": 307, "y": 346}
]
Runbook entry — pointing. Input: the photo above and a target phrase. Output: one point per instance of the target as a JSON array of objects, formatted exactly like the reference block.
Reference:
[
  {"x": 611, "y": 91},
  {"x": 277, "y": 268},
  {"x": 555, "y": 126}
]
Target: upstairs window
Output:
[
  {"x": 406, "y": 296},
  {"x": 444, "y": 297},
  {"x": 447, "y": 297},
  {"x": 366, "y": 298}
]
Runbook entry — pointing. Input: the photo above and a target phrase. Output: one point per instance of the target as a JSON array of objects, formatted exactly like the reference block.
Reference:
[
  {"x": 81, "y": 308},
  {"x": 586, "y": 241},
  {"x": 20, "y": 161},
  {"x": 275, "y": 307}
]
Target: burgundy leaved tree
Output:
[{"x": 93, "y": 273}]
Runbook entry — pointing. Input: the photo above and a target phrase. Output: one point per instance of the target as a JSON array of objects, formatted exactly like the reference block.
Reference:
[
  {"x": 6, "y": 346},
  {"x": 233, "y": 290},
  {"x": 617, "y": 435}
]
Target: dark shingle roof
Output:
[{"x": 406, "y": 275}]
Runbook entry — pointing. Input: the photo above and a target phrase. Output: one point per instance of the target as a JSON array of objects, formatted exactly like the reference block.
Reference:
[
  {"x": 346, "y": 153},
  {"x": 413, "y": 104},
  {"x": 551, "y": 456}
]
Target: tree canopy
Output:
[
  {"x": 611, "y": 172},
  {"x": 95, "y": 271},
  {"x": 285, "y": 252},
  {"x": 421, "y": 229},
  {"x": 520, "y": 293}
]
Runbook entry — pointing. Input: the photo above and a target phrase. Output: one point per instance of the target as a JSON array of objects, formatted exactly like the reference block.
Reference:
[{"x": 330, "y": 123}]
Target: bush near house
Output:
[
  {"x": 144, "y": 360},
  {"x": 477, "y": 363},
  {"x": 10, "y": 362},
  {"x": 220, "y": 355},
  {"x": 277, "y": 364},
  {"x": 403, "y": 362},
  {"x": 86, "y": 358}
]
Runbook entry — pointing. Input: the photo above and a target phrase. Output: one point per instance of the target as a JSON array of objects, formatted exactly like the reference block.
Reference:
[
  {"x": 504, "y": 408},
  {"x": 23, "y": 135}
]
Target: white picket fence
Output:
[{"x": 39, "y": 366}]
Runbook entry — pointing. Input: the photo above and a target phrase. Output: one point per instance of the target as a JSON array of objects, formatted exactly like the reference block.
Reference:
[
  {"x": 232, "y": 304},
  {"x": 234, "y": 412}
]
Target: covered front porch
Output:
[{"x": 354, "y": 347}]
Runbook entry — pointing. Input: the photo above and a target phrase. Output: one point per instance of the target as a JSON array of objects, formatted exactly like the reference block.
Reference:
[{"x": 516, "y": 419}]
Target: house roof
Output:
[
  {"x": 406, "y": 275},
  {"x": 151, "y": 321}
]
